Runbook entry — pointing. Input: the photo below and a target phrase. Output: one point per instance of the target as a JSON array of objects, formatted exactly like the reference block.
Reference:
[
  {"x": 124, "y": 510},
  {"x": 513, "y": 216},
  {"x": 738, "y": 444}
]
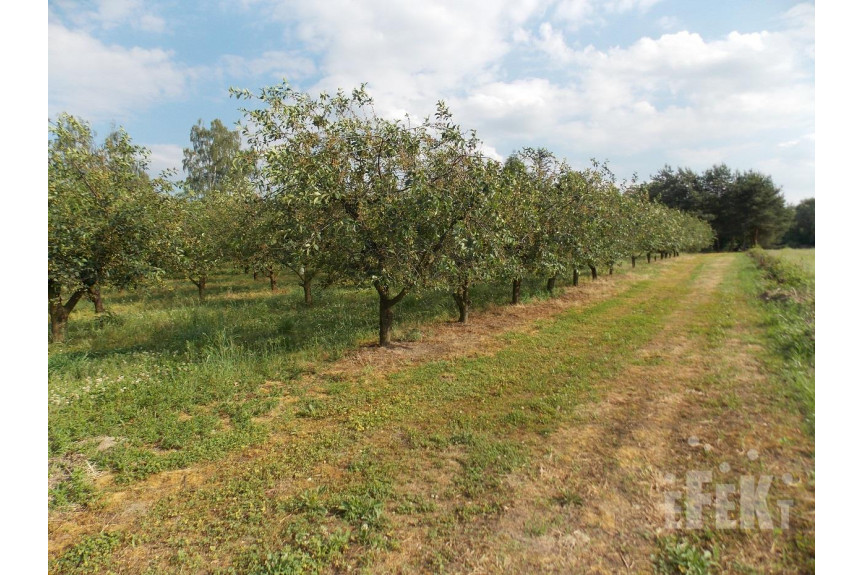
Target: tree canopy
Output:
[
  {"x": 745, "y": 209},
  {"x": 104, "y": 215},
  {"x": 327, "y": 188}
]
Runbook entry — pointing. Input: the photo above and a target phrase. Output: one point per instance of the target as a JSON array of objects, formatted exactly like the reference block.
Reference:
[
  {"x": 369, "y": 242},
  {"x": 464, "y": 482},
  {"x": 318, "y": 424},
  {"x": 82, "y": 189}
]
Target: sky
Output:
[{"x": 639, "y": 83}]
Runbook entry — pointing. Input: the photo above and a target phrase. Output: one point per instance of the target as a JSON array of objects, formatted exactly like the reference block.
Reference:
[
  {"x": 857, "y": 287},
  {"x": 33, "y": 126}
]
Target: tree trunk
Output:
[
  {"x": 462, "y": 299},
  {"x": 307, "y": 290},
  {"x": 94, "y": 294},
  {"x": 593, "y": 273},
  {"x": 611, "y": 269},
  {"x": 549, "y": 285},
  {"x": 272, "y": 275},
  {"x": 633, "y": 262},
  {"x": 255, "y": 275},
  {"x": 575, "y": 276},
  {"x": 59, "y": 312},
  {"x": 386, "y": 305},
  {"x": 648, "y": 257},
  {"x": 385, "y": 326},
  {"x": 202, "y": 285},
  {"x": 516, "y": 291}
]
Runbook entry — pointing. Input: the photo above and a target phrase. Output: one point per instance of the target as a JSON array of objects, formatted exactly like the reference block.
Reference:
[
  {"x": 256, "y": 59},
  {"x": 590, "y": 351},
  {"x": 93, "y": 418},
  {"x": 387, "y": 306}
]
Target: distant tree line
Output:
[
  {"x": 745, "y": 209},
  {"x": 329, "y": 192},
  {"x": 801, "y": 233}
]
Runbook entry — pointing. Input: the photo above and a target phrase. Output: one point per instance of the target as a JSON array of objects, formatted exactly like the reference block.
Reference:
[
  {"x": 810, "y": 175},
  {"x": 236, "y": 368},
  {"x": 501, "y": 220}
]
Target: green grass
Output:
[
  {"x": 345, "y": 465},
  {"x": 173, "y": 382},
  {"x": 802, "y": 258},
  {"x": 544, "y": 376},
  {"x": 786, "y": 288}
]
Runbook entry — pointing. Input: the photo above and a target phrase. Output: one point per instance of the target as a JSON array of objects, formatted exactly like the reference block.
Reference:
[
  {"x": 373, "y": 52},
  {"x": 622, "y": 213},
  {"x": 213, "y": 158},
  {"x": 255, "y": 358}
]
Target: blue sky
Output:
[{"x": 641, "y": 83}]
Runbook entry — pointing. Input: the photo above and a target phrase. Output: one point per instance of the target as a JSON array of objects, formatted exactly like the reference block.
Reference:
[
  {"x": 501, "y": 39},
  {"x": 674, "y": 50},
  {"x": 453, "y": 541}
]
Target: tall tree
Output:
[
  {"x": 215, "y": 189},
  {"x": 759, "y": 209},
  {"x": 802, "y": 229},
  {"x": 209, "y": 162},
  {"x": 677, "y": 189},
  {"x": 745, "y": 209}
]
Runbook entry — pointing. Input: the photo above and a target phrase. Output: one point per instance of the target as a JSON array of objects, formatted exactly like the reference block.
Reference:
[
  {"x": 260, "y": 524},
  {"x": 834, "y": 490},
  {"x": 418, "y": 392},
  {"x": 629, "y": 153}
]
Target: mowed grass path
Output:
[{"x": 548, "y": 448}]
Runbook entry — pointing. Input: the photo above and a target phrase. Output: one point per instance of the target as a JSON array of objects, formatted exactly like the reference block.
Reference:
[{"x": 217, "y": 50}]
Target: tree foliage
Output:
[
  {"x": 744, "y": 208},
  {"x": 384, "y": 188},
  {"x": 330, "y": 191},
  {"x": 104, "y": 215},
  {"x": 802, "y": 229},
  {"x": 205, "y": 214},
  {"x": 209, "y": 163}
]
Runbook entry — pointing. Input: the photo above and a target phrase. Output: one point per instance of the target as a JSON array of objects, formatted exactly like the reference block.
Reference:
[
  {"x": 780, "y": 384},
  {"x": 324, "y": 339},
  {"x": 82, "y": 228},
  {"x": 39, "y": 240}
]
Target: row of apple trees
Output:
[{"x": 328, "y": 191}]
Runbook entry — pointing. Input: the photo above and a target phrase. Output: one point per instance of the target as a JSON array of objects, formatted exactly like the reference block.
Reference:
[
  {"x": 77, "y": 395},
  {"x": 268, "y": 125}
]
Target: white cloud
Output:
[
  {"x": 517, "y": 73},
  {"x": 109, "y": 14},
  {"x": 165, "y": 157},
  {"x": 575, "y": 13},
  {"x": 273, "y": 64},
  {"x": 798, "y": 141},
  {"x": 100, "y": 82},
  {"x": 668, "y": 23},
  {"x": 409, "y": 53},
  {"x": 621, "y": 6},
  {"x": 578, "y": 13},
  {"x": 552, "y": 43}
]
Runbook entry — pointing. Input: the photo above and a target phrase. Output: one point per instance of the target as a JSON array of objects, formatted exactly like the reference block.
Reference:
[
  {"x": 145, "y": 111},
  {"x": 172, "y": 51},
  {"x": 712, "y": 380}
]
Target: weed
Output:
[
  {"x": 412, "y": 334},
  {"x": 678, "y": 556},
  {"x": 310, "y": 408},
  {"x": 76, "y": 488},
  {"x": 415, "y": 504},
  {"x": 486, "y": 463},
  {"x": 568, "y": 498},
  {"x": 90, "y": 555},
  {"x": 536, "y": 526},
  {"x": 309, "y": 553}
]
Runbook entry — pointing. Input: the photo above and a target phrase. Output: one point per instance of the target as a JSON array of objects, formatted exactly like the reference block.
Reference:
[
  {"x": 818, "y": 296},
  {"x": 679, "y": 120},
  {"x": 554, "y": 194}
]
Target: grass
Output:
[
  {"x": 802, "y": 258},
  {"x": 410, "y": 470},
  {"x": 173, "y": 382},
  {"x": 786, "y": 288},
  {"x": 523, "y": 377}
]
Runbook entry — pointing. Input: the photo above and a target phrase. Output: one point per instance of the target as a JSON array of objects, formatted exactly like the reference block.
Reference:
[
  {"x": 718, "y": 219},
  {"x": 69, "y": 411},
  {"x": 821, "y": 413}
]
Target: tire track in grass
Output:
[
  {"x": 695, "y": 399},
  {"x": 529, "y": 534}
]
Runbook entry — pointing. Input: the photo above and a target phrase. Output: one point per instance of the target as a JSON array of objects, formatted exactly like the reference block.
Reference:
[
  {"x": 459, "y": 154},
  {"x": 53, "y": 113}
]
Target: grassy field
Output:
[
  {"x": 253, "y": 435},
  {"x": 787, "y": 290},
  {"x": 804, "y": 258},
  {"x": 167, "y": 381}
]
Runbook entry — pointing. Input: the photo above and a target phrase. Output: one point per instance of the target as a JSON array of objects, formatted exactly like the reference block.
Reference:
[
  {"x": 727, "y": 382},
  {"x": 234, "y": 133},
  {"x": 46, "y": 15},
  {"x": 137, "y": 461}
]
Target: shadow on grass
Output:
[{"x": 251, "y": 316}]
